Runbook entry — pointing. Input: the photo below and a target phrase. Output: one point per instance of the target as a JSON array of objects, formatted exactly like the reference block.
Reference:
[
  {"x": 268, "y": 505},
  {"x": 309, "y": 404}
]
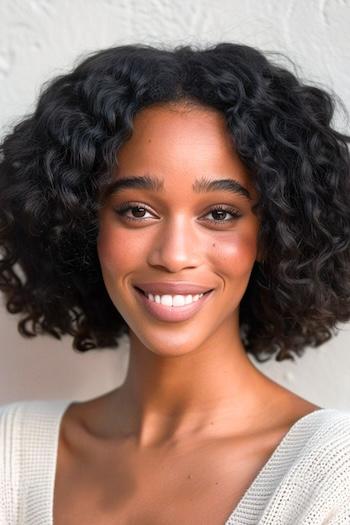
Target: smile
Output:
[{"x": 172, "y": 307}]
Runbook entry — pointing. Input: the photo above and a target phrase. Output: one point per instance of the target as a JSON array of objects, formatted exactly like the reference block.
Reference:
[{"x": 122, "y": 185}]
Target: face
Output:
[{"x": 173, "y": 223}]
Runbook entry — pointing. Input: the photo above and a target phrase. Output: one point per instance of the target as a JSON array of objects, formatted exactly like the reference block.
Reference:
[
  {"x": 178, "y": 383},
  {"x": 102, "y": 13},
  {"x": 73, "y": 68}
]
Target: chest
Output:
[{"x": 197, "y": 485}]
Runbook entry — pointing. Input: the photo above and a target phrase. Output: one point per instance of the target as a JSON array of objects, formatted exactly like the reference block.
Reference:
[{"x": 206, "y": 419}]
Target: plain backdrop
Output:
[{"x": 40, "y": 39}]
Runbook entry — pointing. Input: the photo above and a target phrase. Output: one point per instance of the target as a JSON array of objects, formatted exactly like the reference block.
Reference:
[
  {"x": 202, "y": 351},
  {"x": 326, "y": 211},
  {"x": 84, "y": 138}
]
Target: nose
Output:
[{"x": 176, "y": 246}]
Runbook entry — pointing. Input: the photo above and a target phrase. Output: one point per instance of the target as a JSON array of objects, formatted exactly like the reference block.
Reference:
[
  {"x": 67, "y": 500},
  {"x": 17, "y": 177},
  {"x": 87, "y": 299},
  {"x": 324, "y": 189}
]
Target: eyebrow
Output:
[{"x": 153, "y": 183}]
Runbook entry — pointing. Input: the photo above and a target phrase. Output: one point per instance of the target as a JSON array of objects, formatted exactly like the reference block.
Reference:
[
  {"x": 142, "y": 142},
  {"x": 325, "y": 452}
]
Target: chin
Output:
[{"x": 160, "y": 344}]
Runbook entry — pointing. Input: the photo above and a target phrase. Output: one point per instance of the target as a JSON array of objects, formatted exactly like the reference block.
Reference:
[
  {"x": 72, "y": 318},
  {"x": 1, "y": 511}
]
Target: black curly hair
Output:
[{"x": 55, "y": 163}]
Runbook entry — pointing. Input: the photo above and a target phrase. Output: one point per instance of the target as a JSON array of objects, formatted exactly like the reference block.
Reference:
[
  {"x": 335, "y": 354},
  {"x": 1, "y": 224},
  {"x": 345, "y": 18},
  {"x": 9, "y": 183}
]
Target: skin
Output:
[{"x": 189, "y": 382}]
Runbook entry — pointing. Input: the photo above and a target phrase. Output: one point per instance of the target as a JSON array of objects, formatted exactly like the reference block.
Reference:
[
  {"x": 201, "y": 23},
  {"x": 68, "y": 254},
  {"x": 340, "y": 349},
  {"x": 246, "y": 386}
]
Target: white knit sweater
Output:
[{"x": 306, "y": 480}]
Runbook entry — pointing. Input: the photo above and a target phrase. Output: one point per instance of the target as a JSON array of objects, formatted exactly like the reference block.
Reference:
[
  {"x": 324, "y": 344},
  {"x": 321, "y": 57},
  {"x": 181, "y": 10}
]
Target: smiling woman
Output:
[
  {"x": 197, "y": 200},
  {"x": 184, "y": 228}
]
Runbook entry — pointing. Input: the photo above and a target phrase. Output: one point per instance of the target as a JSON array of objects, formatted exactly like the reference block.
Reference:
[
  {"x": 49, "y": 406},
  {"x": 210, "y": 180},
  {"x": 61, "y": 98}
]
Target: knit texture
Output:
[{"x": 306, "y": 480}]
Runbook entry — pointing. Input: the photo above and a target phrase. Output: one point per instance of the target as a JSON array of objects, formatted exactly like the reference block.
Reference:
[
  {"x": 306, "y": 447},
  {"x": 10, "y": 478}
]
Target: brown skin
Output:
[{"x": 186, "y": 434}]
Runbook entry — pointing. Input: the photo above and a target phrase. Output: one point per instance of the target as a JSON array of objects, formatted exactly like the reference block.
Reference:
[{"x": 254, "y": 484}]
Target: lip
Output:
[
  {"x": 172, "y": 288},
  {"x": 172, "y": 313}
]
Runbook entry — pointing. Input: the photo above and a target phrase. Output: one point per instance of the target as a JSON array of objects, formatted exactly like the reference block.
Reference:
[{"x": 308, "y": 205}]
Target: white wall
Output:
[{"x": 43, "y": 38}]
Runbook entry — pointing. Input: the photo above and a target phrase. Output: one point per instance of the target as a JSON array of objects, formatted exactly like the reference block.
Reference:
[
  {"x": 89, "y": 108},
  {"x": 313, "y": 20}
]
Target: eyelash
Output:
[{"x": 124, "y": 208}]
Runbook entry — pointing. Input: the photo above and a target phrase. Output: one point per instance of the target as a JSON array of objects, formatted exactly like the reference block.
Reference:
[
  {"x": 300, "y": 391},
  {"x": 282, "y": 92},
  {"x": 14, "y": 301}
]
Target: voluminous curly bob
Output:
[{"x": 55, "y": 163}]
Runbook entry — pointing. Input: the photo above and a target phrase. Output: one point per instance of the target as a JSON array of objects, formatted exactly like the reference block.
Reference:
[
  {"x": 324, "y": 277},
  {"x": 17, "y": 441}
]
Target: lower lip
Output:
[{"x": 172, "y": 313}]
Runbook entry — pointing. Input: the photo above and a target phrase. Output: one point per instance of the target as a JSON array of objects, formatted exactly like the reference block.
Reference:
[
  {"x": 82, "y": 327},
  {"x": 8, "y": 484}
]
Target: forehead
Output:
[
  {"x": 179, "y": 145},
  {"x": 179, "y": 130},
  {"x": 178, "y": 122}
]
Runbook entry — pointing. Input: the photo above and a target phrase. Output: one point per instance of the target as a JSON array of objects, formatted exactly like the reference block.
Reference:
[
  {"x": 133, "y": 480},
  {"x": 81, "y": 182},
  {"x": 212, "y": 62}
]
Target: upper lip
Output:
[{"x": 172, "y": 288}]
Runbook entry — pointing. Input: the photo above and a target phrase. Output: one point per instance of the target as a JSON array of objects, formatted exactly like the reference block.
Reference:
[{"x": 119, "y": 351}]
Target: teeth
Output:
[{"x": 174, "y": 300}]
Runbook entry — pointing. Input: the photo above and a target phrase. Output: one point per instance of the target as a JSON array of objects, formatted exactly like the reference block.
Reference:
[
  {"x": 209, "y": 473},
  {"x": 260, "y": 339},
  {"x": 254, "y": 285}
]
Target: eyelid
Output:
[
  {"x": 125, "y": 207},
  {"x": 228, "y": 207}
]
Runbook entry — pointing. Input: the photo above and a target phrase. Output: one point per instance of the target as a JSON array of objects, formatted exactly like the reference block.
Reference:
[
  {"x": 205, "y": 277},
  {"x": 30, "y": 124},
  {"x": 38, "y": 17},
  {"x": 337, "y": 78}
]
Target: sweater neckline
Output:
[
  {"x": 249, "y": 493},
  {"x": 252, "y": 492}
]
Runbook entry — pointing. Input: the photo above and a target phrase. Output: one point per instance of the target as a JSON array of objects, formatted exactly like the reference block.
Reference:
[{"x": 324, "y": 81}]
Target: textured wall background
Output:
[{"x": 43, "y": 38}]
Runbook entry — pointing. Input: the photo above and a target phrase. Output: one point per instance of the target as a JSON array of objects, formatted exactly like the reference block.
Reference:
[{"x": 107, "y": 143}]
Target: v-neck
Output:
[{"x": 250, "y": 494}]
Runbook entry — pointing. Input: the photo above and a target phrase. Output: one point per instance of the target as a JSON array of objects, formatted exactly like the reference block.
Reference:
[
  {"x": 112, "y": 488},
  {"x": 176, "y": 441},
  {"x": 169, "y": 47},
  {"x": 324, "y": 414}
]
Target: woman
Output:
[{"x": 197, "y": 200}]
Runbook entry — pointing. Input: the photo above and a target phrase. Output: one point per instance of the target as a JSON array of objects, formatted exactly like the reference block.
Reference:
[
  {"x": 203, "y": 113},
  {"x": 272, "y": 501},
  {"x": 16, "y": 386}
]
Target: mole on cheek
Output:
[{"x": 213, "y": 244}]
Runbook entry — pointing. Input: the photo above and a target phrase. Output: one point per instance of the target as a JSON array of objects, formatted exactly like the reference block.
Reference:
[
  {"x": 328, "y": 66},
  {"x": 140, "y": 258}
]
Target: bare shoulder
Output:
[
  {"x": 84, "y": 422},
  {"x": 284, "y": 408}
]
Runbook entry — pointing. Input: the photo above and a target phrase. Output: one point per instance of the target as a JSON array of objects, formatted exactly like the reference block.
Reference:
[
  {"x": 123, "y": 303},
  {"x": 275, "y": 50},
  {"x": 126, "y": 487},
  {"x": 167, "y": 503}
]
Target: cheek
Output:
[
  {"x": 117, "y": 247},
  {"x": 235, "y": 253}
]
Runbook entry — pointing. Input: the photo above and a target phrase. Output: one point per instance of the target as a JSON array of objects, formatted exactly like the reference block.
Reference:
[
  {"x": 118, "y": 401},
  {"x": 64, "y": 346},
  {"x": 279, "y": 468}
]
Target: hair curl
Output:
[{"x": 56, "y": 161}]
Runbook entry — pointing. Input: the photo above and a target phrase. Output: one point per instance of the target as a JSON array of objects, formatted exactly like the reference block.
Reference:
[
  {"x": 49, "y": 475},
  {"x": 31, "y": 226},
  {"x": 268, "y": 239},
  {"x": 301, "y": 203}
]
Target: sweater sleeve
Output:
[
  {"x": 316, "y": 490},
  {"x": 9, "y": 459},
  {"x": 340, "y": 517},
  {"x": 3, "y": 520},
  {"x": 29, "y": 432},
  {"x": 327, "y": 478}
]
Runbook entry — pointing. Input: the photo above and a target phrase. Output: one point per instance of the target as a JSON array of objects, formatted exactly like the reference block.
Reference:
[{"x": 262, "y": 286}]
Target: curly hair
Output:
[{"x": 55, "y": 163}]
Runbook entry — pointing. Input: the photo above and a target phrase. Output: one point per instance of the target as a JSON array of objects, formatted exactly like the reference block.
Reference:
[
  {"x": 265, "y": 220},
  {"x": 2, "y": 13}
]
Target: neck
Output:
[{"x": 210, "y": 391}]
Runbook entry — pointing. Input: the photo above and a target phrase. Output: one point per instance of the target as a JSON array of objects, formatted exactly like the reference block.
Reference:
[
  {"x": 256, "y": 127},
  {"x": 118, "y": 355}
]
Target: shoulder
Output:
[
  {"x": 307, "y": 479},
  {"x": 329, "y": 432},
  {"x": 15, "y": 414},
  {"x": 28, "y": 440},
  {"x": 322, "y": 465},
  {"x": 325, "y": 438},
  {"x": 24, "y": 424}
]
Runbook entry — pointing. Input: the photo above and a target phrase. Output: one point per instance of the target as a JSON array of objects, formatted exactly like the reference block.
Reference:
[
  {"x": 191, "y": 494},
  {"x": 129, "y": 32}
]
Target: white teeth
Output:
[
  {"x": 166, "y": 299},
  {"x": 188, "y": 299},
  {"x": 174, "y": 300},
  {"x": 178, "y": 300}
]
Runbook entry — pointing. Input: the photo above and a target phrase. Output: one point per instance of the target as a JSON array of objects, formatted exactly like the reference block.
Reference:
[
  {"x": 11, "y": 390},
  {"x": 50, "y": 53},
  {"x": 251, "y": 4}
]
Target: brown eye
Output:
[
  {"x": 220, "y": 214},
  {"x": 137, "y": 212}
]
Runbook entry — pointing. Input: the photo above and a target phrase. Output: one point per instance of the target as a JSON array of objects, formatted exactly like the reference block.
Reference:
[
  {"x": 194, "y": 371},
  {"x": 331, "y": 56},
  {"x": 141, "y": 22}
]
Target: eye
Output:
[
  {"x": 138, "y": 209},
  {"x": 220, "y": 212}
]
